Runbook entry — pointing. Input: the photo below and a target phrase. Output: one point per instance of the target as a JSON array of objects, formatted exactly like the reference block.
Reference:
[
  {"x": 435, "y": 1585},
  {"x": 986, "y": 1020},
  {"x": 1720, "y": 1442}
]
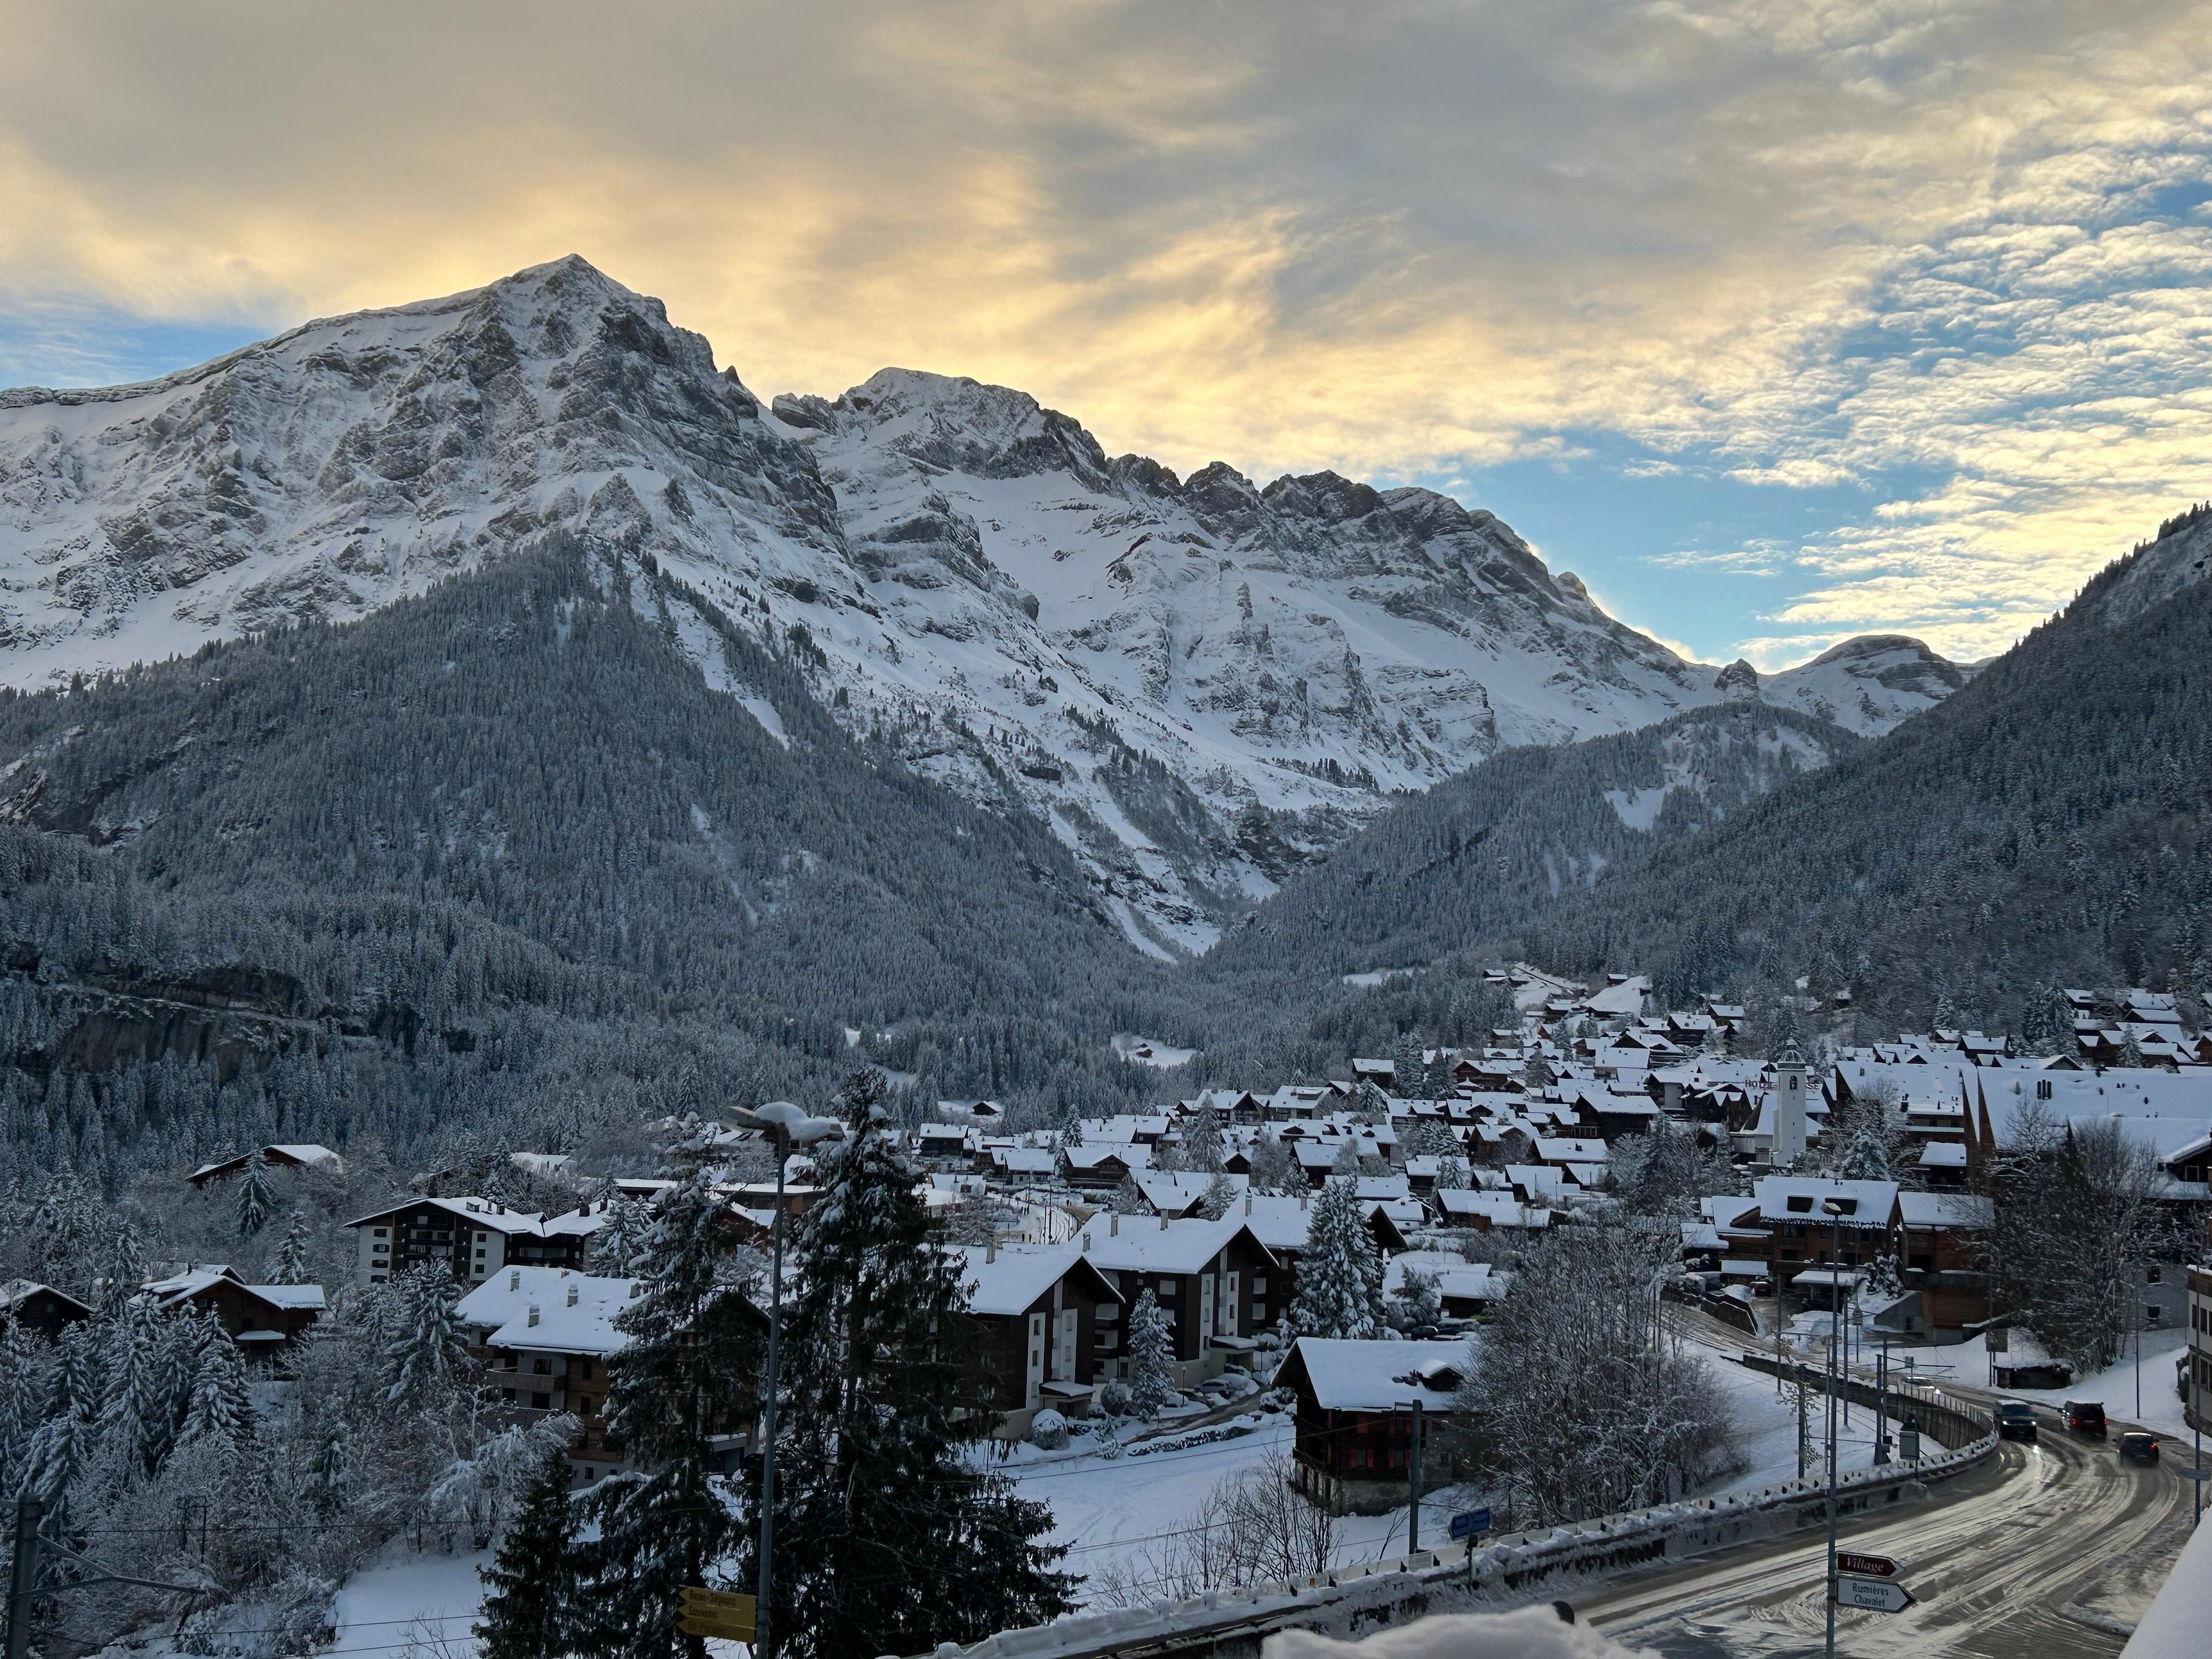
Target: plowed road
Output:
[{"x": 2046, "y": 1552}]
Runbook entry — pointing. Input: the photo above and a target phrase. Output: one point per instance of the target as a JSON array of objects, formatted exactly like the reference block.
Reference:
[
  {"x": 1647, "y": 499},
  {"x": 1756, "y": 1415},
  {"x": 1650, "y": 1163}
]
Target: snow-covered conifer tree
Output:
[
  {"x": 528, "y": 1608},
  {"x": 425, "y": 1351},
  {"x": 688, "y": 1373},
  {"x": 292, "y": 1267},
  {"x": 1218, "y": 1197},
  {"x": 1152, "y": 1356},
  {"x": 256, "y": 1196},
  {"x": 1202, "y": 1142},
  {"x": 221, "y": 1409},
  {"x": 1129, "y": 1198},
  {"x": 888, "y": 1539},
  {"x": 619, "y": 1249},
  {"x": 1420, "y": 1300},
  {"x": 1340, "y": 1273}
]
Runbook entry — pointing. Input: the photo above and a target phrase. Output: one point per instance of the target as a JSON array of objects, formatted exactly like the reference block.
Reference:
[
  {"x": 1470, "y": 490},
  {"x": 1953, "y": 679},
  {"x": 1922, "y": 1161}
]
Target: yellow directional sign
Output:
[{"x": 723, "y": 1614}]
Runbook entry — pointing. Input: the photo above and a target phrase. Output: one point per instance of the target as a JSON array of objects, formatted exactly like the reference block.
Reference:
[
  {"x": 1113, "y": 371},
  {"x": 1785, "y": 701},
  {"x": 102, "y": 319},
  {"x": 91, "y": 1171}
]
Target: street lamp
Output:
[
  {"x": 788, "y": 1127},
  {"x": 1835, "y": 1209}
]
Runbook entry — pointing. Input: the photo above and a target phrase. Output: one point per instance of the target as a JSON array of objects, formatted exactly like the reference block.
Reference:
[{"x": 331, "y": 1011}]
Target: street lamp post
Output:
[
  {"x": 1834, "y": 1211},
  {"x": 788, "y": 1127}
]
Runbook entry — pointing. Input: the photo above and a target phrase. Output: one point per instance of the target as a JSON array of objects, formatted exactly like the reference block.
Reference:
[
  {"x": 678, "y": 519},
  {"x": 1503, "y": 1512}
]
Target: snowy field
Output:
[
  {"x": 419, "y": 1608},
  {"x": 1145, "y": 1051},
  {"x": 1111, "y": 1511}
]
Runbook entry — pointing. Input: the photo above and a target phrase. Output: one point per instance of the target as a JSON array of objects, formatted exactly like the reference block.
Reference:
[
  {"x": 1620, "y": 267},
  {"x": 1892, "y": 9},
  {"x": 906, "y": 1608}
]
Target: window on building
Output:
[
  {"x": 2043, "y": 1088},
  {"x": 2153, "y": 1274},
  {"x": 1259, "y": 1284},
  {"x": 541, "y": 1401},
  {"x": 1167, "y": 1287},
  {"x": 2153, "y": 1315},
  {"x": 584, "y": 1370}
]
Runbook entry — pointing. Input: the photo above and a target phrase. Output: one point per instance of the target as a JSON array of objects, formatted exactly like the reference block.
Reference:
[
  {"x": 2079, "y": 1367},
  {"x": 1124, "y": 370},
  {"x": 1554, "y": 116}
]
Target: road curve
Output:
[{"x": 2048, "y": 1551}]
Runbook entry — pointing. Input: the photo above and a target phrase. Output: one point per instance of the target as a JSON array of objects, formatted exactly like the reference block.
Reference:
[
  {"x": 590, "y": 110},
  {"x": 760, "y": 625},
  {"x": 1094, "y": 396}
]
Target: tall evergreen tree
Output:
[
  {"x": 1152, "y": 1356},
  {"x": 686, "y": 1375},
  {"x": 291, "y": 1267},
  {"x": 887, "y": 1540},
  {"x": 1202, "y": 1146},
  {"x": 528, "y": 1609},
  {"x": 1340, "y": 1273},
  {"x": 425, "y": 1351},
  {"x": 221, "y": 1410},
  {"x": 256, "y": 1196}
]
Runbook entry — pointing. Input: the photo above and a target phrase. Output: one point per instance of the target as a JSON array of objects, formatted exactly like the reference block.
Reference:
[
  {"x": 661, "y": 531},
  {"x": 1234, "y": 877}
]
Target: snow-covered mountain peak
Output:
[
  {"x": 1199, "y": 683},
  {"x": 1867, "y": 684},
  {"x": 353, "y": 461}
]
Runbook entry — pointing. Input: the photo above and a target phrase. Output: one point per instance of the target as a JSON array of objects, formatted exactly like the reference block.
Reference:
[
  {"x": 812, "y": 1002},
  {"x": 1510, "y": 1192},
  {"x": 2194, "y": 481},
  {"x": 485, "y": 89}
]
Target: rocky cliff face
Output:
[{"x": 1198, "y": 683}]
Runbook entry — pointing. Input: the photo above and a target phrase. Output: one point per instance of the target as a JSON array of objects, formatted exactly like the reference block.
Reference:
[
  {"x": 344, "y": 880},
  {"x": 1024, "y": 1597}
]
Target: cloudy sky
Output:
[{"x": 1778, "y": 320}]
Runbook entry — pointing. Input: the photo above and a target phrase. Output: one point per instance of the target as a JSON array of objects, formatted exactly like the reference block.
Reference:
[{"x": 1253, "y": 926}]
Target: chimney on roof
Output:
[
  {"x": 991, "y": 1248},
  {"x": 1248, "y": 1200},
  {"x": 1086, "y": 1243},
  {"x": 572, "y": 1296},
  {"x": 515, "y": 1280},
  {"x": 1114, "y": 1225},
  {"x": 533, "y": 1313},
  {"x": 1163, "y": 1221}
]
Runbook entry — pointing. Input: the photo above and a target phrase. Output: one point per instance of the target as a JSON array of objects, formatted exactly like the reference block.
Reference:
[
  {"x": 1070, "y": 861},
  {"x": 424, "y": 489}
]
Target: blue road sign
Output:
[{"x": 1470, "y": 1524}]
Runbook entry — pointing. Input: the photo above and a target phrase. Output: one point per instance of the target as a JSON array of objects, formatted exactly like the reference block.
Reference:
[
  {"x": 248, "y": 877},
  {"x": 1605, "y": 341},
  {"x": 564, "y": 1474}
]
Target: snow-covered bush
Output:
[{"x": 1048, "y": 1431}]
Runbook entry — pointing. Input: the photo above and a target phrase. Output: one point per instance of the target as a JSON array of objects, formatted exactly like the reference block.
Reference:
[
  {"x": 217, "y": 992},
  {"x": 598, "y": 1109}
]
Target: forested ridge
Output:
[
  {"x": 501, "y": 851},
  {"x": 501, "y": 859}
]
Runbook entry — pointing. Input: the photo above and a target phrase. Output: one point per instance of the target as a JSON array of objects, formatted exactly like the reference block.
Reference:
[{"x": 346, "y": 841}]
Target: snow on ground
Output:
[
  {"x": 1148, "y": 1051},
  {"x": 1111, "y": 1511},
  {"x": 1767, "y": 1423},
  {"x": 420, "y": 1608},
  {"x": 2114, "y": 1388}
]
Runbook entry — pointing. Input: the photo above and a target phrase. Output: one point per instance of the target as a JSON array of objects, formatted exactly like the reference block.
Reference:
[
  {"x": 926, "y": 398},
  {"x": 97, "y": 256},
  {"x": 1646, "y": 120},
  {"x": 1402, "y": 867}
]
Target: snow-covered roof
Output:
[
  {"x": 1566, "y": 1149},
  {"x": 292, "y": 1295},
  {"x": 1014, "y": 1277},
  {"x": 2163, "y": 1110},
  {"x": 486, "y": 1213},
  {"x": 530, "y": 1308},
  {"x": 1143, "y": 1244},
  {"x": 1172, "y": 1191},
  {"x": 1869, "y": 1203},
  {"x": 17, "y": 1291},
  {"x": 1350, "y": 1375},
  {"x": 1456, "y": 1276},
  {"x": 1945, "y": 1210},
  {"x": 1499, "y": 1209},
  {"x": 1943, "y": 1155}
]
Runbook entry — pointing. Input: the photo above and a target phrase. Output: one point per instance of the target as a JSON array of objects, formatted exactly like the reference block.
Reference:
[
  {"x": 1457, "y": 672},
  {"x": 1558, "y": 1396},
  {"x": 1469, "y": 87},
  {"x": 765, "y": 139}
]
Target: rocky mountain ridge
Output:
[{"x": 1200, "y": 684}]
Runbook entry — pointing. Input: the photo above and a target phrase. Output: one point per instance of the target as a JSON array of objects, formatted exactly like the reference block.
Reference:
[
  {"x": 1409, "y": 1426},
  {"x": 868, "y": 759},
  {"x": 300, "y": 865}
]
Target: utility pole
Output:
[
  {"x": 766, "y": 1589},
  {"x": 1413, "y": 1483},
  {"x": 1835, "y": 1307},
  {"x": 788, "y": 1127},
  {"x": 24, "y": 1580}
]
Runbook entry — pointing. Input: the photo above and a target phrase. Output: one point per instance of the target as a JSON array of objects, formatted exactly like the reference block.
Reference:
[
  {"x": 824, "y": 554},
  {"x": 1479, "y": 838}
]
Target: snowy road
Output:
[{"x": 2047, "y": 1550}]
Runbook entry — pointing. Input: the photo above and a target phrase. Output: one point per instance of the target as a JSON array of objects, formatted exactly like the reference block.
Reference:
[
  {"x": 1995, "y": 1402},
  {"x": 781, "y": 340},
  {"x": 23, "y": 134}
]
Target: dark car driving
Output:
[
  {"x": 2138, "y": 1448},
  {"x": 2085, "y": 1417},
  {"x": 2016, "y": 1420}
]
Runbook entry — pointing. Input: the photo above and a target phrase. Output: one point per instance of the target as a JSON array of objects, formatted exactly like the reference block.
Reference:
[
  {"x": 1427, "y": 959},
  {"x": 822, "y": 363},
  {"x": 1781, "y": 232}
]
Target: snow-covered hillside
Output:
[{"x": 1200, "y": 683}]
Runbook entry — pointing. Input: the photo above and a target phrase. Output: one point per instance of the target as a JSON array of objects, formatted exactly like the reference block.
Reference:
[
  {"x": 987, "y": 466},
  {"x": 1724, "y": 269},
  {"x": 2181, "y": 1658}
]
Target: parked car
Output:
[
  {"x": 2138, "y": 1448},
  {"x": 2085, "y": 1417},
  {"x": 2016, "y": 1420}
]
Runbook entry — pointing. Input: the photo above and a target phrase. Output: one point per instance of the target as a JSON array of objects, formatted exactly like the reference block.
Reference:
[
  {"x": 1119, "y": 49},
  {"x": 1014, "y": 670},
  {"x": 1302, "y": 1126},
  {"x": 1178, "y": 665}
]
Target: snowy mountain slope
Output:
[
  {"x": 1295, "y": 654},
  {"x": 1483, "y": 857},
  {"x": 1866, "y": 684},
  {"x": 1200, "y": 684}
]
